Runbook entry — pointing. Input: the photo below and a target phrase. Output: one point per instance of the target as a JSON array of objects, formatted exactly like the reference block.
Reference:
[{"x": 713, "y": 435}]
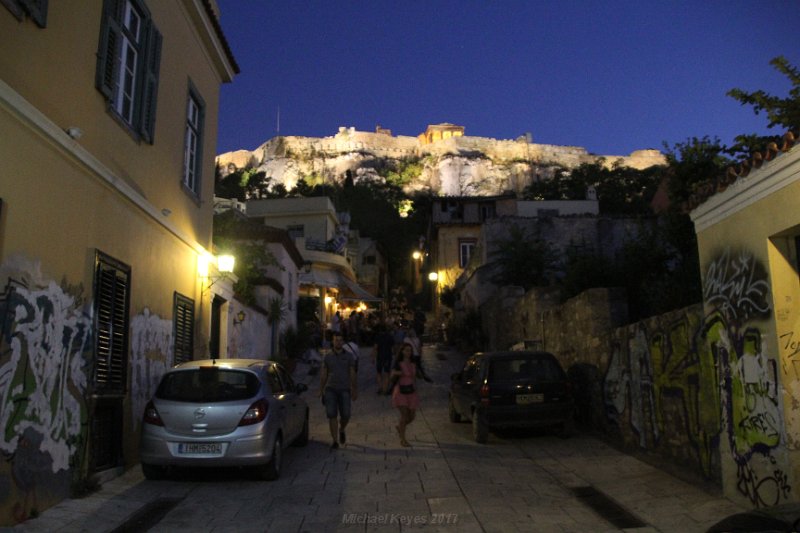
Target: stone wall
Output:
[
  {"x": 456, "y": 166},
  {"x": 652, "y": 386}
]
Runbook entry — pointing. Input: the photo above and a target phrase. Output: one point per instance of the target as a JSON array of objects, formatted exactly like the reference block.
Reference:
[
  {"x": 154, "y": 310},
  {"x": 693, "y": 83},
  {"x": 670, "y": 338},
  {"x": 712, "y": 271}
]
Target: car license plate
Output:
[
  {"x": 202, "y": 448},
  {"x": 523, "y": 399}
]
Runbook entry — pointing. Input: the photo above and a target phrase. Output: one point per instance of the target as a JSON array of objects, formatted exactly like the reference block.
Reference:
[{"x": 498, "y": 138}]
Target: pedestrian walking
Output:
[
  {"x": 399, "y": 334},
  {"x": 404, "y": 395},
  {"x": 382, "y": 357},
  {"x": 338, "y": 388},
  {"x": 416, "y": 345},
  {"x": 351, "y": 347},
  {"x": 336, "y": 322}
]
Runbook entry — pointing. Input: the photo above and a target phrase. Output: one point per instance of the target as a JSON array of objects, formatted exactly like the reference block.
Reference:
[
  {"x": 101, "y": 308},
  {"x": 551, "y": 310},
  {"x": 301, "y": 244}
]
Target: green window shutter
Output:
[
  {"x": 183, "y": 328},
  {"x": 37, "y": 10},
  {"x": 107, "y": 50},
  {"x": 150, "y": 84},
  {"x": 111, "y": 299}
]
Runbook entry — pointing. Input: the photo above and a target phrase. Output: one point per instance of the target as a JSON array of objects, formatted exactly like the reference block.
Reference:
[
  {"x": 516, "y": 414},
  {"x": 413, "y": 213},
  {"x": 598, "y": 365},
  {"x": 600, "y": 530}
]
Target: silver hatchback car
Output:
[{"x": 223, "y": 412}]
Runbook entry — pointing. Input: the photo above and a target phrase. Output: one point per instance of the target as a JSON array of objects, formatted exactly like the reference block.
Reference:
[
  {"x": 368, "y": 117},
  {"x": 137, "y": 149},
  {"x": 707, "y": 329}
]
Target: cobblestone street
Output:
[{"x": 444, "y": 482}]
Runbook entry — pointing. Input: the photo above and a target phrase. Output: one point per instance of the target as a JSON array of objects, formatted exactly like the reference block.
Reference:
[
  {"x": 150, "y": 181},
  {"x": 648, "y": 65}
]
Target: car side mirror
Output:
[{"x": 300, "y": 388}]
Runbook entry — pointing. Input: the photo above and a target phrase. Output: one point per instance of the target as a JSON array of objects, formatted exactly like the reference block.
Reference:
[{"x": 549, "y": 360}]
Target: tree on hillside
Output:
[
  {"x": 374, "y": 211},
  {"x": 522, "y": 259},
  {"x": 620, "y": 189},
  {"x": 246, "y": 184}
]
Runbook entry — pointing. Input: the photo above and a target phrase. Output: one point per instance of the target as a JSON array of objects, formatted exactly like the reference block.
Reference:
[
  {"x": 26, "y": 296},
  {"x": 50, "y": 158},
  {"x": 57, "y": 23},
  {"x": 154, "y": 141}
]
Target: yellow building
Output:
[
  {"x": 748, "y": 232},
  {"x": 108, "y": 112}
]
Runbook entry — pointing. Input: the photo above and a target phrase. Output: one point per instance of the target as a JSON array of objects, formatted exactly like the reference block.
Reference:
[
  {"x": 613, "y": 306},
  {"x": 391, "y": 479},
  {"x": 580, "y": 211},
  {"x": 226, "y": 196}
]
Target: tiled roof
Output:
[
  {"x": 711, "y": 187},
  {"x": 221, "y": 35}
]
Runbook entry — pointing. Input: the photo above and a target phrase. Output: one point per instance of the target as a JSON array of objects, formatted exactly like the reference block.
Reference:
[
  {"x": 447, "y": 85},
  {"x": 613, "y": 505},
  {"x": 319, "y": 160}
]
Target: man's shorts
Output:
[
  {"x": 337, "y": 402},
  {"x": 383, "y": 364}
]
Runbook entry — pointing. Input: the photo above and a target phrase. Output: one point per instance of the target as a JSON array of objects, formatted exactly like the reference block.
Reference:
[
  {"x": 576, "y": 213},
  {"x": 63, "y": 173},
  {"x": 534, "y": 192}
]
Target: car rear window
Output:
[
  {"x": 208, "y": 384},
  {"x": 532, "y": 369}
]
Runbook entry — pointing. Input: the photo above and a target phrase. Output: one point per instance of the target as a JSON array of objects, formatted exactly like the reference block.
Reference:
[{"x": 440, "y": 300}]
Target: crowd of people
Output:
[{"x": 395, "y": 344}]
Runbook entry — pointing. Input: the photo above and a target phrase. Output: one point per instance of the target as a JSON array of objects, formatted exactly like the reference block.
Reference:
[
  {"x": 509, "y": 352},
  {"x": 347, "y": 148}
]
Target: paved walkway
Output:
[{"x": 445, "y": 482}]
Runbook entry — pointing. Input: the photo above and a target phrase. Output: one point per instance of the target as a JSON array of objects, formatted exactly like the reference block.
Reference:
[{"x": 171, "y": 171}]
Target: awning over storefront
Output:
[
  {"x": 348, "y": 290},
  {"x": 354, "y": 291}
]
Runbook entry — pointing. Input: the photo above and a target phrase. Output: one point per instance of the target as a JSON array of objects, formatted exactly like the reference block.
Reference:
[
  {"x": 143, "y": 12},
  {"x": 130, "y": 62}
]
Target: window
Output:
[
  {"x": 192, "y": 149},
  {"x": 111, "y": 299},
  {"x": 128, "y": 59},
  {"x": 465, "y": 249},
  {"x": 275, "y": 383},
  {"x": 295, "y": 231},
  {"x": 487, "y": 211},
  {"x": 35, "y": 9},
  {"x": 182, "y": 328}
]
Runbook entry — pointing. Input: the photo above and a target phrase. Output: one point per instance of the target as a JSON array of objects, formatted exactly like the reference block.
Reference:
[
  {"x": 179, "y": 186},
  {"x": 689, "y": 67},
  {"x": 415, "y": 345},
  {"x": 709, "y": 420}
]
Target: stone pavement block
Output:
[
  {"x": 452, "y": 505},
  {"x": 701, "y": 511}
]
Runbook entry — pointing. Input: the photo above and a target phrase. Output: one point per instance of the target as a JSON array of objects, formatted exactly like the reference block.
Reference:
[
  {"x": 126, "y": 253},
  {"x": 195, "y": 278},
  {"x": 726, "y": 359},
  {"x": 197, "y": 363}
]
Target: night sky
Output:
[{"x": 610, "y": 76}]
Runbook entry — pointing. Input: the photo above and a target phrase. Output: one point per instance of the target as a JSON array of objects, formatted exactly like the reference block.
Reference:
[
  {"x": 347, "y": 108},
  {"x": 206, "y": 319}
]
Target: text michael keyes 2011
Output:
[{"x": 399, "y": 518}]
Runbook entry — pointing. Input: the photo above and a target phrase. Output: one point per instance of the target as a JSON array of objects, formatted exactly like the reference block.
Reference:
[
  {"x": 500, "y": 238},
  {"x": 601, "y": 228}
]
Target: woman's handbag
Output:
[{"x": 406, "y": 389}]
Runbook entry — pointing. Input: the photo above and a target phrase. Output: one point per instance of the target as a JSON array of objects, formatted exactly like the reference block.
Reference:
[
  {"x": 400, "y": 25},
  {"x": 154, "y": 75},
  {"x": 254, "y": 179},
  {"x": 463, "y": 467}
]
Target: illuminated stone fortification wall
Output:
[{"x": 348, "y": 140}]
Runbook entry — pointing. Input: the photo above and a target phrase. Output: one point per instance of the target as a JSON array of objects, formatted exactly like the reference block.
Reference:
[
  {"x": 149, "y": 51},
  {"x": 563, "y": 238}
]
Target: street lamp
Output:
[{"x": 416, "y": 282}]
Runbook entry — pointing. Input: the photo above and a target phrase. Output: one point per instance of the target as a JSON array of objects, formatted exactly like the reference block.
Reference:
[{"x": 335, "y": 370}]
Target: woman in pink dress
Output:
[{"x": 404, "y": 395}]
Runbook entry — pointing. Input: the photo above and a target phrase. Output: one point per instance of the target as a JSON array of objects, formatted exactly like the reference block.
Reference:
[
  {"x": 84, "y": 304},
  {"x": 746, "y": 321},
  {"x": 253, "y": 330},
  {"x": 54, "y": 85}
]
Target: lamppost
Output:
[
  {"x": 416, "y": 282},
  {"x": 433, "y": 278}
]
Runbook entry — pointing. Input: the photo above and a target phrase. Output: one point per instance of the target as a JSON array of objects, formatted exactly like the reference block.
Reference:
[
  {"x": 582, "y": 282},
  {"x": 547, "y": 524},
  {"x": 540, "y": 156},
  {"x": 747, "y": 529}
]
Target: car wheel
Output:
[
  {"x": 480, "y": 431},
  {"x": 152, "y": 471},
  {"x": 302, "y": 438},
  {"x": 451, "y": 411},
  {"x": 272, "y": 470}
]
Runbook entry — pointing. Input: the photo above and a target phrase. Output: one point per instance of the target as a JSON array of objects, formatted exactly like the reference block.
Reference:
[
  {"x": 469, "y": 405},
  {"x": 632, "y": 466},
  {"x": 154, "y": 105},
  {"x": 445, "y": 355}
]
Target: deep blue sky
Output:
[{"x": 610, "y": 76}]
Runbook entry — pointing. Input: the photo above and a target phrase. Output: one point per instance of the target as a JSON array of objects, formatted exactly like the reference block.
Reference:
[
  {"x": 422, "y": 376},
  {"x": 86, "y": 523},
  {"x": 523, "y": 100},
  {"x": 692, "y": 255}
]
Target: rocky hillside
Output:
[{"x": 456, "y": 166}]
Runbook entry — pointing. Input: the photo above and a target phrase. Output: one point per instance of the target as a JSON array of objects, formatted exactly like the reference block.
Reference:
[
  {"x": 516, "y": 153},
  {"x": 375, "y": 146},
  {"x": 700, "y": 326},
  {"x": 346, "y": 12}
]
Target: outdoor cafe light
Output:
[
  {"x": 433, "y": 276},
  {"x": 225, "y": 263},
  {"x": 416, "y": 255}
]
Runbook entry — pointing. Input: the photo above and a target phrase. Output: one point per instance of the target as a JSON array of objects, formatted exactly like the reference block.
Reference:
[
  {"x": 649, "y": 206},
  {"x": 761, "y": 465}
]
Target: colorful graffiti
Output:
[
  {"x": 45, "y": 346},
  {"x": 736, "y": 284},
  {"x": 667, "y": 366},
  {"x": 716, "y": 366},
  {"x": 151, "y": 355}
]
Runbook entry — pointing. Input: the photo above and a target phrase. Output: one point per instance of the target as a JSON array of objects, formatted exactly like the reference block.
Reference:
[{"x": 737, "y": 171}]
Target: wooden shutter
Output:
[
  {"x": 111, "y": 298},
  {"x": 108, "y": 48},
  {"x": 37, "y": 10},
  {"x": 149, "y": 94},
  {"x": 183, "y": 328}
]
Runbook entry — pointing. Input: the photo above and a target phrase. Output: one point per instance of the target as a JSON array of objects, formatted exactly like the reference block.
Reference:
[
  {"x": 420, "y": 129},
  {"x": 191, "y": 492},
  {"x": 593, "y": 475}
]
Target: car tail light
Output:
[
  {"x": 151, "y": 415},
  {"x": 255, "y": 414},
  {"x": 484, "y": 394}
]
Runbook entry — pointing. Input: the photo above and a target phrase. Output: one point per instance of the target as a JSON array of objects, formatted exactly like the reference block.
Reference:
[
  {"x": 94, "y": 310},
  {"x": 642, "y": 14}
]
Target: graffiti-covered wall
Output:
[
  {"x": 747, "y": 234},
  {"x": 660, "y": 389},
  {"x": 44, "y": 367}
]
